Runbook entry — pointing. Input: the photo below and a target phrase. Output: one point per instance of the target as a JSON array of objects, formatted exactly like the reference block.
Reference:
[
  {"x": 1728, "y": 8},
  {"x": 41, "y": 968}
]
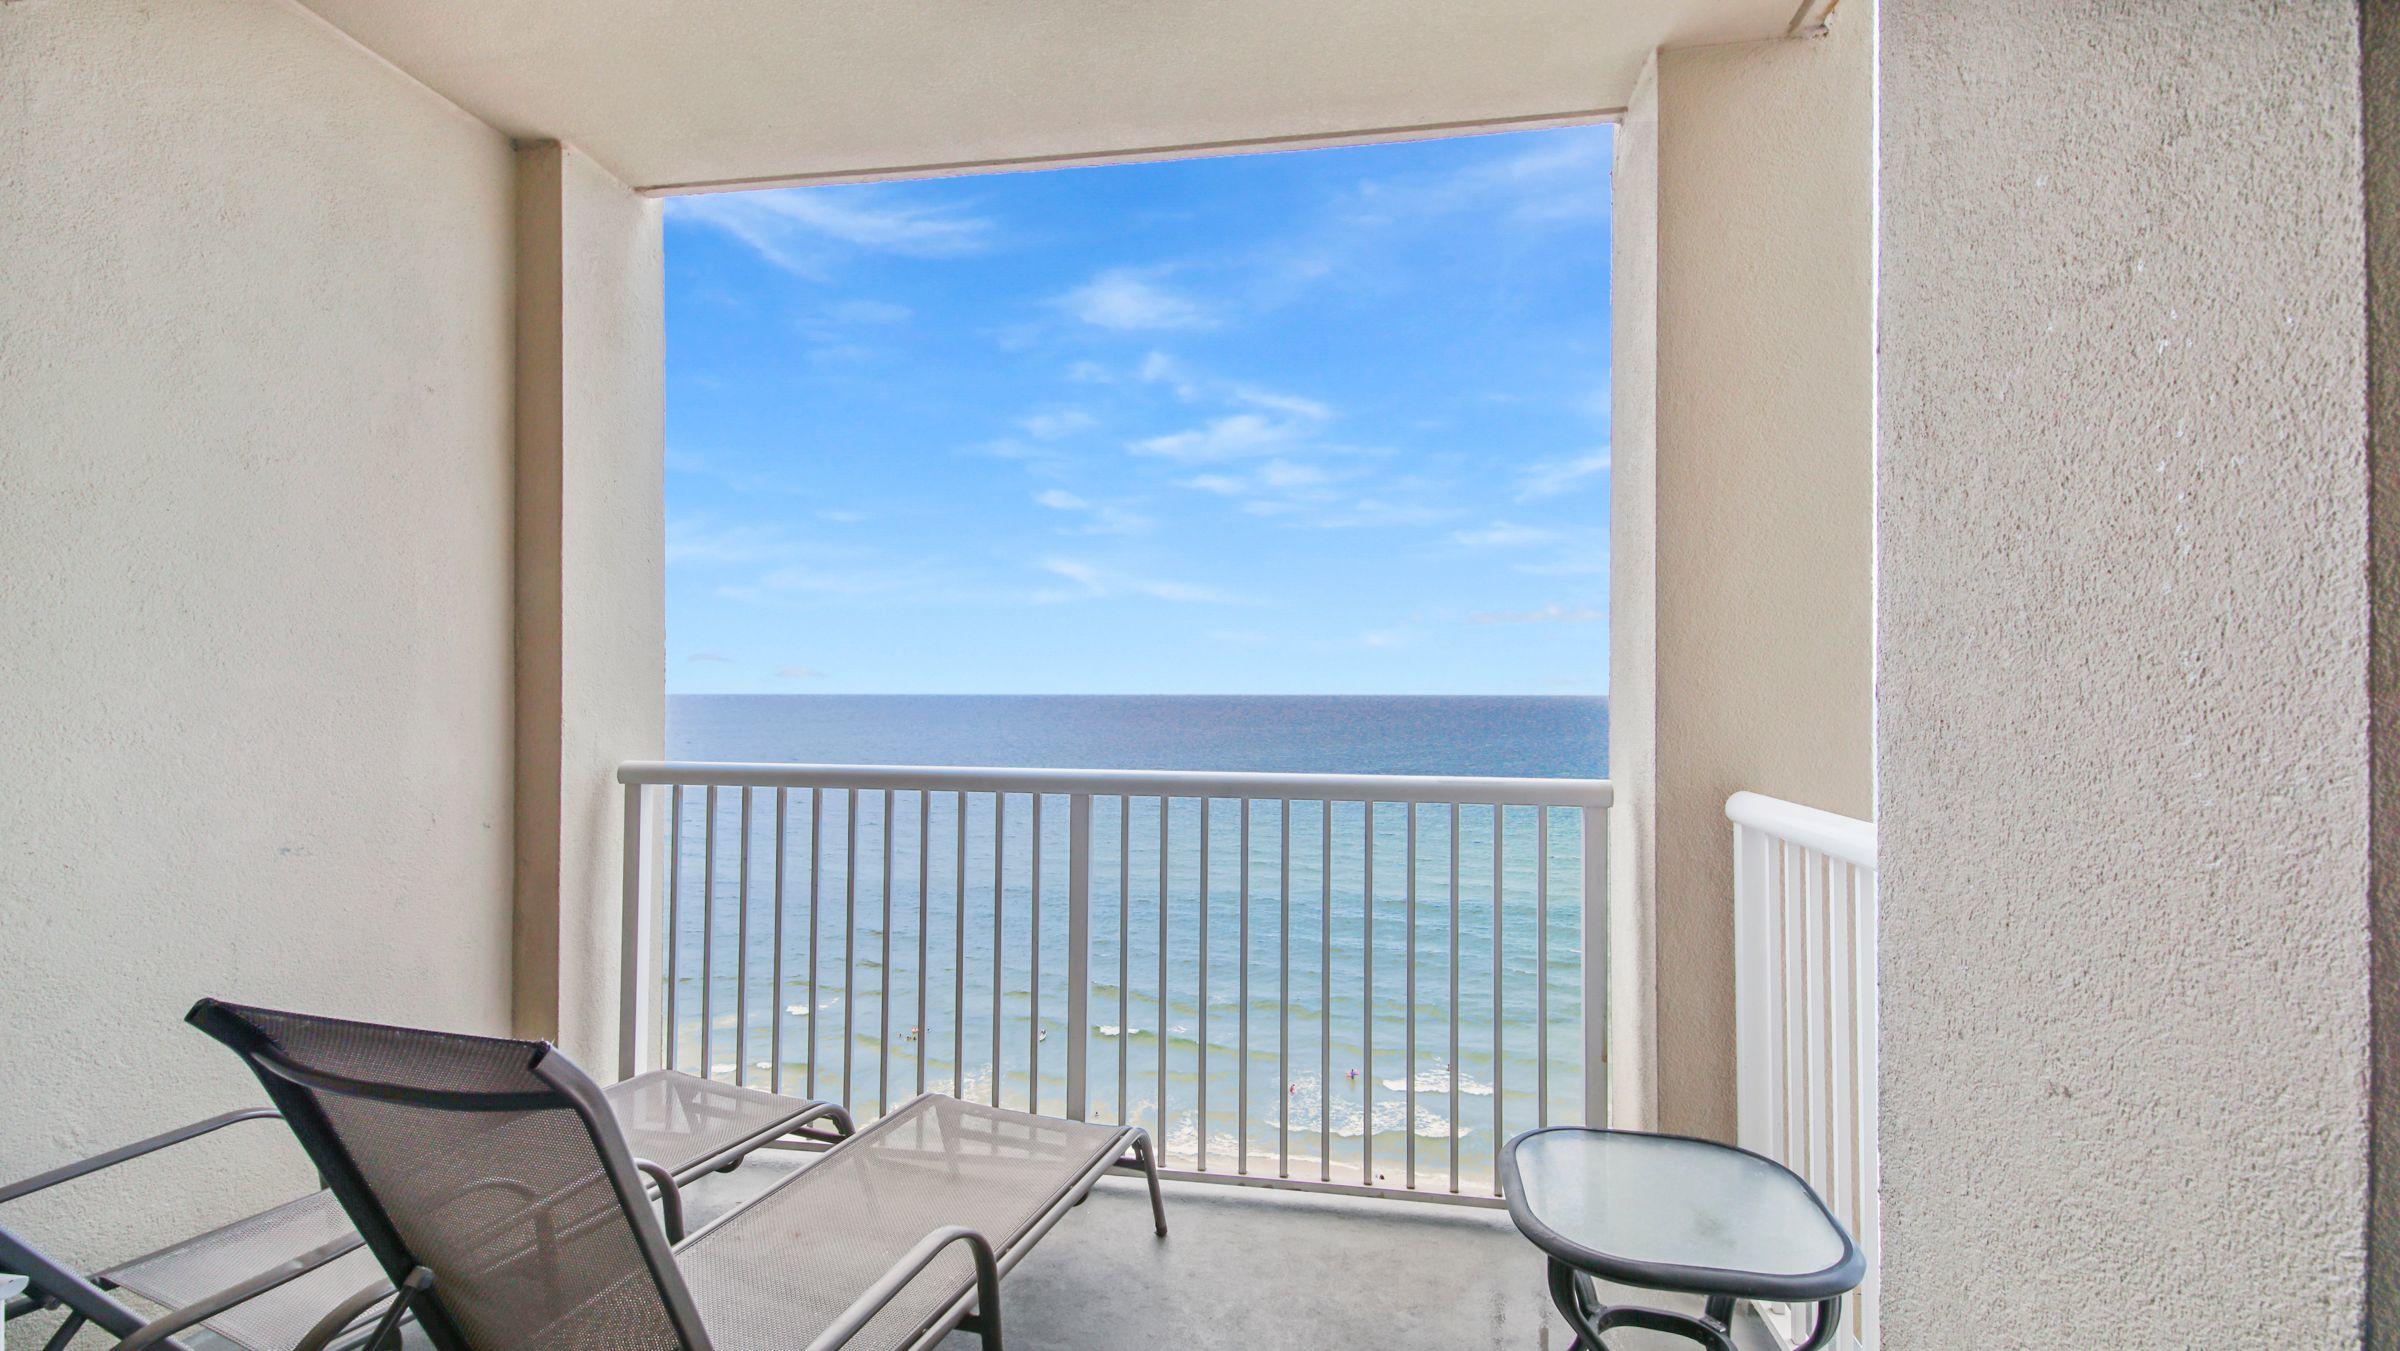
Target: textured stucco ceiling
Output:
[{"x": 732, "y": 92}]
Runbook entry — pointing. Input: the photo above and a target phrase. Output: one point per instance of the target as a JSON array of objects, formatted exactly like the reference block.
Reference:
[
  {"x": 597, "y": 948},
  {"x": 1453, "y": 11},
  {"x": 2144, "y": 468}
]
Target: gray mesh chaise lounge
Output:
[
  {"x": 494, "y": 1188},
  {"x": 264, "y": 1282}
]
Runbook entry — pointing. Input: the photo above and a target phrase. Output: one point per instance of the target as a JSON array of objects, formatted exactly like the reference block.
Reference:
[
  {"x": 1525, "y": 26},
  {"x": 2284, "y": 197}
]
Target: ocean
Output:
[{"x": 1289, "y": 1081}]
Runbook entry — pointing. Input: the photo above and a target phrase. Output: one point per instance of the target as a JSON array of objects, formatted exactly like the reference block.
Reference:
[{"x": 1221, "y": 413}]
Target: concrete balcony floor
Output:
[{"x": 1260, "y": 1270}]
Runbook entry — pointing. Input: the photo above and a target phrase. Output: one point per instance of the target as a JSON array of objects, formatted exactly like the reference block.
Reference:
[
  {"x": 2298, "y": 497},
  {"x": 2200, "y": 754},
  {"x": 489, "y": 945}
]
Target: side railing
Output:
[
  {"x": 1321, "y": 981},
  {"x": 1805, "y": 1012}
]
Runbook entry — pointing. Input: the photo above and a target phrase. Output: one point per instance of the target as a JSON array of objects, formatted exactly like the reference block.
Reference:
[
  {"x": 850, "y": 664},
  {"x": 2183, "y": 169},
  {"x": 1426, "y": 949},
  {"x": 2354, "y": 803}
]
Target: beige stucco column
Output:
[
  {"x": 2136, "y": 557},
  {"x": 590, "y": 631},
  {"x": 1743, "y": 482}
]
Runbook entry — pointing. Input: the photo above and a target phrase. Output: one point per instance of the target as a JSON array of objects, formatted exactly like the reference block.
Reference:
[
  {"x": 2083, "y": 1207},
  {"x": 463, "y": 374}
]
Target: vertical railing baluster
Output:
[
  {"x": 1366, "y": 1073},
  {"x": 924, "y": 1037},
  {"x": 1325, "y": 993},
  {"x": 1595, "y": 965},
  {"x": 958, "y": 959},
  {"x": 883, "y": 974},
  {"x": 708, "y": 937},
  {"x": 1452, "y": 1072},
  {"x": 741, "y": 953},
  {"x": 1033, "y": 924},
  {"x": 674, "y": 923},
  {"x": 1410, "y": 1069},
  {"x": 1079, "y": 955},
  {"x": 1795, "y": 1004},
  {"x": 849, "y": 941},
  {"x": 1200, "y": 1109},
  {"x": 1541, "y": 966},
  {"x": 1124, "y": 949},
  {"x": 1159, "y": 1039},
  {"x": 637, "y": 998},
  {"x": 1283, "y": 1000},
  {"x": 775, "y": 1004},
  {"x": 816, "y": 865},
  {"x": 1241, "y": 1075},
  {"x": 1499, "y": 996},
  {"x": 999, "y": 855}
]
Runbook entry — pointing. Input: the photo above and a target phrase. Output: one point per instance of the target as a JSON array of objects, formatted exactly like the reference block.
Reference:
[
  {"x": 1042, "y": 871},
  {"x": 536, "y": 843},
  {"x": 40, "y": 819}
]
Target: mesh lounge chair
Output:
[
  {"x": 265, "y": 1282},
  {"x": 493, "y": 1186}
]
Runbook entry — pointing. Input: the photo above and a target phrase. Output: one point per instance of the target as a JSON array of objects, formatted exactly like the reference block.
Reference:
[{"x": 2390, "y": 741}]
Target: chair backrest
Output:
[{"x": 494, "y": 1164}]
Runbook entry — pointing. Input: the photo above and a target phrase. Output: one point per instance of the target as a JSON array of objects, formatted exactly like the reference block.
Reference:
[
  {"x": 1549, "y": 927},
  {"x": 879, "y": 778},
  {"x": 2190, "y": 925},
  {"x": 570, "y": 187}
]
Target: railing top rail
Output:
[
  {"x": 1842, "y": 837},
  {"x": 1132, "y": 783}
]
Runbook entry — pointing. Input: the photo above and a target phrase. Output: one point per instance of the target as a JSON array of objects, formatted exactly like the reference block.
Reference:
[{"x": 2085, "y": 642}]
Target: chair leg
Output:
[
  {"x": 1158, "y": 1205},
  {"x": 66, "y": 1331}
]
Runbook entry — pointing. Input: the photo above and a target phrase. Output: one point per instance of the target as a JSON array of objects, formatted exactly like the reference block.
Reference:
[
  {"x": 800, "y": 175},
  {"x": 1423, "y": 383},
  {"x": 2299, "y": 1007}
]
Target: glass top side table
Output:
[{"x": 1668, "y": 1212}]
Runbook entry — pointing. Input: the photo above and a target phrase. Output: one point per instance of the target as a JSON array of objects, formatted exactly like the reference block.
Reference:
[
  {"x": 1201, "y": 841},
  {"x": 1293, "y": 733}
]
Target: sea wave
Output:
[{"x": 1438, "y": 1081}]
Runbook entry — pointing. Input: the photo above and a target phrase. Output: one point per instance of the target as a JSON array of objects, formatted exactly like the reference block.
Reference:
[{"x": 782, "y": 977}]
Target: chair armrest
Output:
[
  {"x": 160, "y": 1330},
  {"x": 122, "y": 1153},
  {"x": 888, "y": 1286},
  {"x": 670, "y": 1197}
]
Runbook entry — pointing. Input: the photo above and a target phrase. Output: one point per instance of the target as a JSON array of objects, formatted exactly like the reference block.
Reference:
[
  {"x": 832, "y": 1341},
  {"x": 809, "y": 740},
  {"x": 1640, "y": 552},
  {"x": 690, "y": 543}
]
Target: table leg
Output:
[
  {"x": 1829, "y": 1317},
  {"x": 1590, "y": 1319}
]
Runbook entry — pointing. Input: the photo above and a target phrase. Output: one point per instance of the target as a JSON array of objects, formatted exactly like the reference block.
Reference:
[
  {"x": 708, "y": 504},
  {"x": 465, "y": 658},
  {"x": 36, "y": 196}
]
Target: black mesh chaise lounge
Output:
[
  {"x": 496, "y": 1191},
  {"x": 262, "y": 1283}
]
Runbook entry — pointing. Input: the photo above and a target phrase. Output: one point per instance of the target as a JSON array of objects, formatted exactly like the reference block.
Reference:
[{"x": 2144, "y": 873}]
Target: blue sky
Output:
[{"x": 1327, "y": 422}]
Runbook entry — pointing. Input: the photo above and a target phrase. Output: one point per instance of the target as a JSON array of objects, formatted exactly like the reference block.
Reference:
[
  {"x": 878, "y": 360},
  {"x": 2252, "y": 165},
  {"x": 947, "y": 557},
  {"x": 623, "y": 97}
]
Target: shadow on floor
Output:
[{"x": 1256, "y": 1270}]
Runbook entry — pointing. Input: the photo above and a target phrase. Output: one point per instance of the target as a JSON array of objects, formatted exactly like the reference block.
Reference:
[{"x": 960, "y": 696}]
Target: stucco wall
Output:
[
  {"x": 1633, "y": 611},
  {"x": 2379, "y": 88},
  {"x": 591, "y": 641},
  {"x": 2123, "y": 675},
  {"x": 1750, "y": 658},
  {"x": 254, "y": 556}
]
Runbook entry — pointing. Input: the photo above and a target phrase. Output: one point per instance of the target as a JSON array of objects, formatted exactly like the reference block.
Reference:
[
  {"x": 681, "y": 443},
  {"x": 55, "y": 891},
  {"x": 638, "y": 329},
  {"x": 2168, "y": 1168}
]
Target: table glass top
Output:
[{"x": 1656, "y": 1199}]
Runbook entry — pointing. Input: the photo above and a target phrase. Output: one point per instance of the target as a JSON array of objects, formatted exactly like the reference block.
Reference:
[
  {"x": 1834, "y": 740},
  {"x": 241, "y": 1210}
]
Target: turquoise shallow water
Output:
[{"x": 1288, "y": 1069}]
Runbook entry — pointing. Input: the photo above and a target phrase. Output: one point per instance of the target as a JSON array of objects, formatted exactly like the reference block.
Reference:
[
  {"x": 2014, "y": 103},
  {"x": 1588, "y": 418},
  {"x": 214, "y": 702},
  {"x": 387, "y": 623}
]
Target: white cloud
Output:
[
  {"x": 1055, "y": 424},
  {"x": 1098, "y": 518},
  {"x": 1552, "y": 477},
  {"x": 1127, "y": 300},
  {"x": 869, "y": 312},
  {"x": 1160, "y": 369},
  {"x": 798, "y": 673},
  {"x": 692, "y": 540},
  {"x": 1232, "y": 437},
  {"x": 1291, "y": 405},
  {"x": 1091, "y": 581},
  {"x": 1563, "y": 177},
  {"x": 1548, "y": 614},
  {"x": 802, "y": 229},
  {"x": 1506, "y": 535}
]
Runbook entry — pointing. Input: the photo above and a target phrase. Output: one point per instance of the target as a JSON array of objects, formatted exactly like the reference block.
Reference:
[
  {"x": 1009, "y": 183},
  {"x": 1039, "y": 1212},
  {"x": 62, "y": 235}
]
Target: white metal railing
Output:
[
  {"x": 1401, "y": 959},
  {"x": 1805, "y": 1000}
]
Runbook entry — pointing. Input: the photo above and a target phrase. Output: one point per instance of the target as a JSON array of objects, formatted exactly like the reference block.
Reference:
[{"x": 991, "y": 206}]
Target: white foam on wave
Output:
[{"x": 1438, "y": 1081}]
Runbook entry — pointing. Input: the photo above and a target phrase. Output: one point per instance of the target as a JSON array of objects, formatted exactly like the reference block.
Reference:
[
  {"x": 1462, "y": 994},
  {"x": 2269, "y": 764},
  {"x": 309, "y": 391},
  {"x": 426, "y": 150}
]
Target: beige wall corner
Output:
[
  {"x": 2379, "y": 86},
  {"x": 1742, "y": 591},
  {"x": 254, "y": 580},
  {"x": 2124, "y": 674},
  {"x": 590, "y": 630},
  {"x": 1633, "y": 612}
]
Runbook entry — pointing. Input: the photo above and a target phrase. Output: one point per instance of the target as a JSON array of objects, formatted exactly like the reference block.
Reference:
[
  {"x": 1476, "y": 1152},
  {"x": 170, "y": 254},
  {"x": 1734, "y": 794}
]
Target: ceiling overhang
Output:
[{"x": 694, "y": 97}]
